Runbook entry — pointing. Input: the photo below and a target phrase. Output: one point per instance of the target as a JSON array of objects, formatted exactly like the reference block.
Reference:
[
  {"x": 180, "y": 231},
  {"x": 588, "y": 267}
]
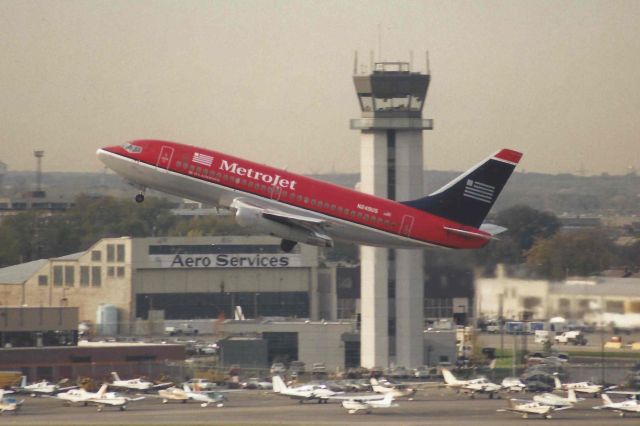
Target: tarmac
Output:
[{"x": 254, "y": 407}]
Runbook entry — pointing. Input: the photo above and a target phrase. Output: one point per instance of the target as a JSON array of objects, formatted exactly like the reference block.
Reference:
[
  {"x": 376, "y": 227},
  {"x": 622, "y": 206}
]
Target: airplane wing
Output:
[
  {"x": 139, "y": 398},
  {"x": 468, "y": 234},
  {"x": 562, "y": 408},
  {"x": 312, "y": 227},
  {"x": 358, "y": 398},
  {"x": 630, "y": 394},
  {"x": 66, "y": 389},
  {"x": 162, "y": 385}
]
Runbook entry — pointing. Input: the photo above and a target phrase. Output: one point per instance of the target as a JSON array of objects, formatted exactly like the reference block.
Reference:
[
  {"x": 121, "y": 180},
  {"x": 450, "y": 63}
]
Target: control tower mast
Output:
[{"x": 391, "y": 100}]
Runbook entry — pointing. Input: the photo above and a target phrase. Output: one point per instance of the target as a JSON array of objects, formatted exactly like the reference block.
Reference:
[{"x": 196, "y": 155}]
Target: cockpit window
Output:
[{"x": 135, "y": 149}]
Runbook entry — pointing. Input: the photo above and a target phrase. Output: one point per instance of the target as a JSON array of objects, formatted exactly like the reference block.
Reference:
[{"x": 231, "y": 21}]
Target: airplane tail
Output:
[
  {"x": 558, "y": 383},
  {"x": 449, "y": 378},
  {"x": 571, "y": 396},
  {"x": 23, "y": 381},
  {"x": 278, "y": 384},
  {"x": 374, "y": 381},
  {"x": 606, "y": 400},
  {"x": 468, "y": 198},
  {"x": 102, "y": 391},
  {"x": 115, "y": 376},
  {"x": 186, "y": 388},
  {"x": 388, "y": 398}
]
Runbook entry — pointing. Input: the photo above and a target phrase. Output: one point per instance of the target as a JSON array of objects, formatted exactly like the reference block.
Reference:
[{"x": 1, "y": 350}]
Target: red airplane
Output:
[{"x": 300, "y": 209}]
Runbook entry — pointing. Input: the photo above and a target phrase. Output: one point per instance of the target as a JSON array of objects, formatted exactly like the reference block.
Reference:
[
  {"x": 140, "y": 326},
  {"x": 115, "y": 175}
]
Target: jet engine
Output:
[{"x": 252, "y": 217}]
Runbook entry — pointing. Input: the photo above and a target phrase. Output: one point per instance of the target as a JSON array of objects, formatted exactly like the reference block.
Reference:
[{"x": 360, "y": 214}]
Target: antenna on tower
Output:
[
  {"x": 379, "y": 41},
  {"x": 38, "y": 155},
  {"x": 428, "y": 71}
]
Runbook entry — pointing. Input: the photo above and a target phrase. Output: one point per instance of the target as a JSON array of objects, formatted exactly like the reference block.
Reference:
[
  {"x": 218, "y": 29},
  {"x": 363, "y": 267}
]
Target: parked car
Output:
[
  {"x": 184, "y": 329},
  {"x": 425, "y": 372},
  {"x": 256, "y": 383},
  {"x": 571, "y": 337}
]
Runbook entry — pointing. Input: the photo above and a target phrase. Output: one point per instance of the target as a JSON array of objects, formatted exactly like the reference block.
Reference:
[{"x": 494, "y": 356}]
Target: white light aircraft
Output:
[
  {"x": 113, "y": 399},
  {"x": 136, "y": 384},
  {"x": 396, "y": 390},
  {"x": 622, "y": 408},
  {"x": 526, "y": 407},
  {"x": 9, "y": 404},
  {"x": 173, "y": 394},
  {"x": 472, "y": 386},
  {"x": 365, "y": 403},
  {"x": 303, "y": 393},
  {"x": 558, "y": 401},
  {"x": 79, "y": 395},
  {"x": 206, "y": 397},
  {"x": 581, "y": 387},
  {"x": 42, "y": 387}
]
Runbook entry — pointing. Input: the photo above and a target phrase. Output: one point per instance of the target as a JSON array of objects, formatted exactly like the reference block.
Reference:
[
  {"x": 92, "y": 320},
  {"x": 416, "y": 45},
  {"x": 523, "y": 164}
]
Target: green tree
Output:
[
  {"x": 582, "y": 253},
  {"x": 524, "y": 225}
]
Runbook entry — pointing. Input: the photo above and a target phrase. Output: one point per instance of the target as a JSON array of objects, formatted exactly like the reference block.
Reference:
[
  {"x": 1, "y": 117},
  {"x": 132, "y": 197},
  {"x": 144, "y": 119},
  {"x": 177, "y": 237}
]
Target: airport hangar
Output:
[{"x": 304, "y": 308}]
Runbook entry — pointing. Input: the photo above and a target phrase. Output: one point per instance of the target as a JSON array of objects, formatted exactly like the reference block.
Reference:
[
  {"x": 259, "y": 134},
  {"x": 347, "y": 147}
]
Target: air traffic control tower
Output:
[{"x": 391, "y": 99}]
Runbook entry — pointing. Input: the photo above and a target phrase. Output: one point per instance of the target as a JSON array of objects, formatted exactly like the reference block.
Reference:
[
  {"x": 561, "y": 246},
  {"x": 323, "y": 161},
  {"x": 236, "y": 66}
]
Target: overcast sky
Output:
[{"x": 271, "y": 81}]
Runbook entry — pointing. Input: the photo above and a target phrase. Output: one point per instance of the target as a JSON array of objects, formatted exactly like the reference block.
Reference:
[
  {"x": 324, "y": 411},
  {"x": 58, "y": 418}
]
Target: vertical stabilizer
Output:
[
  {"x": 278, "y": 384},
  {"x": 449, "y": 378},
  {"x": 558, "y": 383},
  {"x": 468, "y": 198}
]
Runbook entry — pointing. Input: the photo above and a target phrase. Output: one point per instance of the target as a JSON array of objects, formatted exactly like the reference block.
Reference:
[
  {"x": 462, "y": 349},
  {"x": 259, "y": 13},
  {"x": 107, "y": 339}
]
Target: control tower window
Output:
[
  {"x": 416, "y": 103},
  {"x": 393, "y": 104},
  {"x": 366, "y": 102}
]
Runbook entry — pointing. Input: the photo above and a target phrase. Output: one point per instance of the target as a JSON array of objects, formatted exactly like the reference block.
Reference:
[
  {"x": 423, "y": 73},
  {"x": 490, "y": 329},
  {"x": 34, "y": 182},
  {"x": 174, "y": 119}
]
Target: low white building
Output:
[{"x": 509, "y": 297}]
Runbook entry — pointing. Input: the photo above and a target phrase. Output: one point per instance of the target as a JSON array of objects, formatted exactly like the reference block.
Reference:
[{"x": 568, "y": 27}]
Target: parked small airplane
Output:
[
  {"x": 299, "y": 209},
  {"x": 113, "y": 399},
  {"x": 42, "y": 387},
  {"x": 207, "y": 397},
  {"x": 79, "y": 395},
  {"x": 174, "y": 394},
  {"x": 472, "y": 386},
  {"x": 365, "y": 403},
  {"x": 622, "y": 408},
  {"x": 558, "y": 401},
  {"x": 397, "y": 390},
  {"x": 581, "y": 387},
  {"x": 136, "y": 384},
  {"x": 8, "y": 403},
  {"x": 526, "y": 407},
  {"x": 304, "y": 392}
]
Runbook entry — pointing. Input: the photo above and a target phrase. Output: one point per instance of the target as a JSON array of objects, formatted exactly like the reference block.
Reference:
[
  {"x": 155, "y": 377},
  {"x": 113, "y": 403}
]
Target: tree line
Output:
[{"x": 534, "y": 238}]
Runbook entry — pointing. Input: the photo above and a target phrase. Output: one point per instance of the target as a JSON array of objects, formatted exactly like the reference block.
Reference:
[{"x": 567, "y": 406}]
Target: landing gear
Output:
[
  {"x": 287, "y": 245},
  {"x": 139, "y": 198}
]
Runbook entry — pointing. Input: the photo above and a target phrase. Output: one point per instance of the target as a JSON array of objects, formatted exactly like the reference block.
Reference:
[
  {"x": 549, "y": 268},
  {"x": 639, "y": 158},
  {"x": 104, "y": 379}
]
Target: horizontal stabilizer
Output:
[{"x": 467, "y": 234}]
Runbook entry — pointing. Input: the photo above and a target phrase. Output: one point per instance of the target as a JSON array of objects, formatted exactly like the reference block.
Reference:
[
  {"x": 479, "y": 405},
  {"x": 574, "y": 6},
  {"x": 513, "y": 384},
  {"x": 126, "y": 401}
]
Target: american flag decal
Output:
[
  {"x": 479, "y": 191},
  {"x": 205, "y": 160}
]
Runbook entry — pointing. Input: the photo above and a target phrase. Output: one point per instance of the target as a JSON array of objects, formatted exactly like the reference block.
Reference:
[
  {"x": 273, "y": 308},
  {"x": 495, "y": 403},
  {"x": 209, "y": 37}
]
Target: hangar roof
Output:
[{"x": 18, "y": 274}]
